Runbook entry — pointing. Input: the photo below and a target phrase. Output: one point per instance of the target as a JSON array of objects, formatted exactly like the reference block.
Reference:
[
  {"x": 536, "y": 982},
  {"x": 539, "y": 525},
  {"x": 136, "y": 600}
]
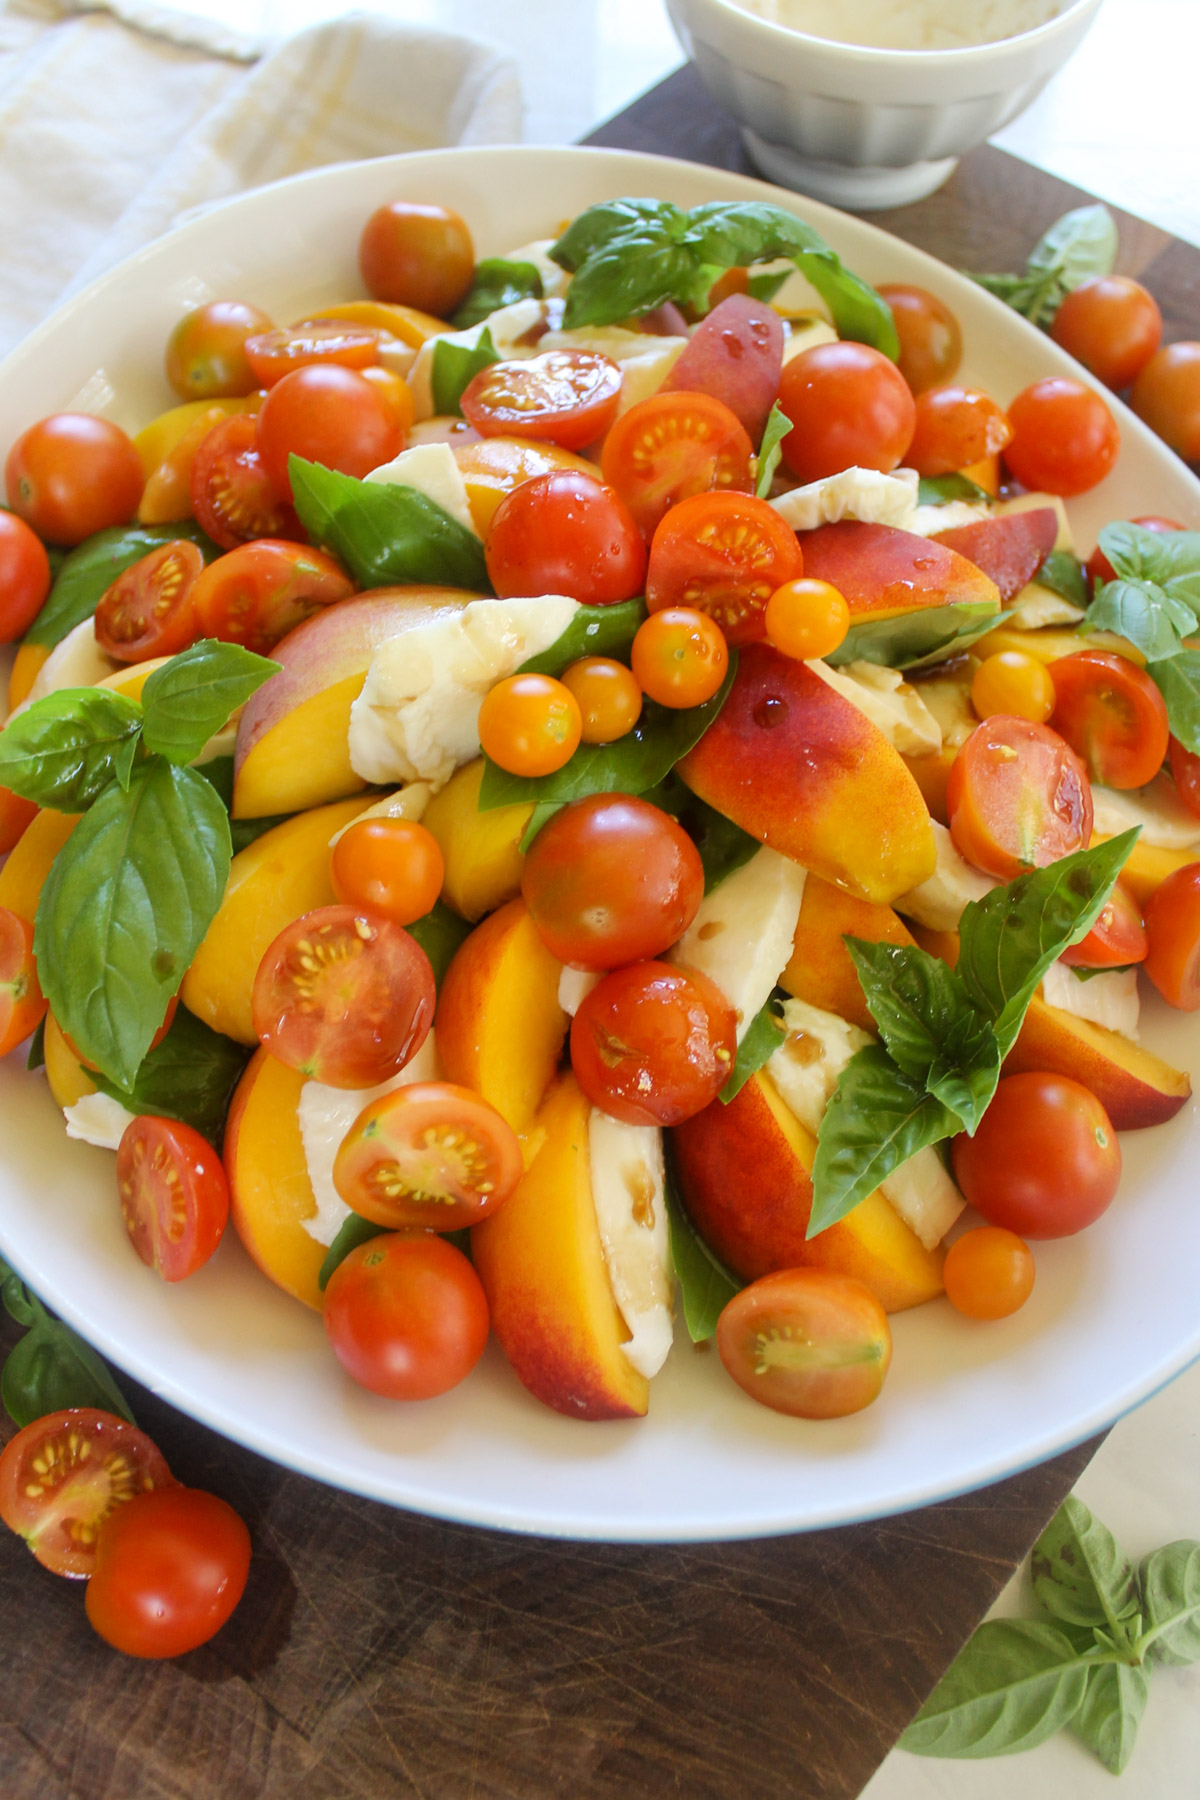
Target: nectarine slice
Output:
[
  {"x": 270, "y": 1195},
  {"x": 821, "y": 971},
  {"x": 24, "y": 874},
  {"x": 883, "y": 571},
  {"x": 482, "y": 850},
  {"x": 69, "y": 1080}
]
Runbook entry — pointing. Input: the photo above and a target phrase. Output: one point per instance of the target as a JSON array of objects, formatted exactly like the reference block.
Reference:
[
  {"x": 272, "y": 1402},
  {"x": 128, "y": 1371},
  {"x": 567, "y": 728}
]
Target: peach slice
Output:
[
  {"x": 69, "y": 1080},
  {"x": 1010, "y": 549},
  {"x": 24, "y": 673},
  {"x": 482, "y": 850},
  {"x": 542, "y": 1266},
  {"x": 1148, "y": 865},
  {"x": 270, "y": 1195},
  {"x": 883, "y": 571},
  {"x": 24, "y": 874},
  {"x": 1052, "y": 642},
  {"x": 821, "y": 971},
  {"x": 801, "y": 769}
]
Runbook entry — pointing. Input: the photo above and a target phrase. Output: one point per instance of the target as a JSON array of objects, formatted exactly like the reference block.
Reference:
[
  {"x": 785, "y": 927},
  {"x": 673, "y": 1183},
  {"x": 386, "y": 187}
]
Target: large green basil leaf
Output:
[
  {"x": 1171, "y": 559},
  {"x": 1152, "y": 620},
  {"x": 1015, "y": 1684},
  {"x": 1178, "y": 680},
  {"x": 51, "y": 1368},
  {"x": 1080, "y": 244},
  {"x": 1079, "y": 1572},
  {"x": 455, "y": 367},
  {"x": 191, "y": 697},
  {"x": 876, "y": 1119},
  {"x": 593, "y": 631},
  {"x": 1170, "y": 1581},
  {"x": 917, "y": 640},
  {"x": 1113, "y": 1703},
  {"x": 767, "y": 1032},
  {"x": 609, "y": 219},
  {"x": 190, "y": 1076},
  {"x": 439, "y": 933},
  {"x": 386, "y": 533},
  {"x": 93, "y": 566},
  {"x": 64, "y": 750},
  {"x": 705, "y": 1284},
  {"x": 497, "y": 282}
]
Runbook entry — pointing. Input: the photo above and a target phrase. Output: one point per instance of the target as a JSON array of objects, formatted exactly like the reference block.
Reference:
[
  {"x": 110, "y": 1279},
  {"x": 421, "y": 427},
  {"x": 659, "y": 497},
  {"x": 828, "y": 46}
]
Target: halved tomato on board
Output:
[
  {"x": 148, "y": 610},
  {"x": 568, "y": 396},
  {"x": 671, "y": 446},
  {"x": 174, "y": 1195},
  {"x": 432, "y": 1156},
  {"x": 1112, "y": 715},
  {"x": 63, "y": 1475},
  {"x": 232, "y": 496},
  {"x": 724, "y": 555},
  {"x": 1018, "y": 797},
  {"x": 255, "y": 594},
  {"x": 22, "y": 1006}
]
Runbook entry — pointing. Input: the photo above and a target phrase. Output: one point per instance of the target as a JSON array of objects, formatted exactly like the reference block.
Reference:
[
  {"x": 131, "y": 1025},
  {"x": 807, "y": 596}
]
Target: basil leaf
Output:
[
  {"x": 608, "y": 219},
  {"x": 1014, "y": 1685},
  {"x": 917, "y": 640},
  {"x": 705, "y": 1284},
  {"x": 1063, "y": 574},
  {"x": 765, "y": 287},
  {"x": 1153, "y": 620},
  {"x": 876, "y": 1119},
  {"x": 1170, "y": 1580},
  {"x": 769, "y": 451},
  {"x": 497, "y": 282},
  {"x": 439, "y": 933},
  {"x": 36, "y": 1058},
  {"x": 16, "y": 1297},
  {"x": 1082, "y": 243},
  {"x": 354, "y": 1231},
  {"x": 92, "y": 567},
  {"x": 386, "y": 534},
  {"x": 634, "y": 274},
  {"x": 196, "y": 693},
  {"x": 765, "y": 1036},
  {"x": 127, "y": 901},
  {"x": 190, "y": 1076},
  {"x": 593, "y": 631},
  {"x": 51, "y": 1368},
  {"x": 938, "y": 490},
  {"x": 1178, "y": 680},
  {"x": 1114, "y": 1700},
  {"x": 454, "y": 368},
  {"x": 1080, "y": 1574},
  {"x": 63, "y": 751},
  {"x": 723, "y": 846},
  {"x": 1171, "y": 558}
]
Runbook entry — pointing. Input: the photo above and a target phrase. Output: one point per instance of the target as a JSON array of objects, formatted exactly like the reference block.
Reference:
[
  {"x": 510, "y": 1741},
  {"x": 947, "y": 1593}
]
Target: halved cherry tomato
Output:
[
  {"x": 64, "y": 1474},
  {"x": 1065, "y": 440},
  {"x": 232, "y": 496},
  {"x": 1112, "y": 715},
  {"x": 1018, "y": 797},
  {"x": 255, "y": 594},
  {"x": 72, "y": 475},
  {"x": 611, "y": 880},
  {"x": 988, "y": 1273},
  {"x": 327, "y": 415},
  {"x": 736, "y": 355},
  {"x": 955, "y": 427},
  {"x": 1117, "y": 939},
  {"x": 850, "y": 408},
  {"x": 174, "y": 1195},
  {"x": 1100, "y": 570},
  {"x": 1173, "y": 929},
  {"x": 724, "y": 555},
  {"x": 206, "y": 355},
  {"x": 16, "y": 816},
  {"x": 1014, "y": 682},
  {"x": 930, "y": 335},
  {"x": 167, "y": 495},
  {"x": 24, "y": 576},
  {"x": 407, "y": 1316},
  {"x": 345, "y": 996},
  {"x": 807, "y": 618},
  {"x": 274, "y": 354},
  {"x": 150, "y": 608},
  {"x": 390, "y": 866},
  {"x": 653, "y": 1044},
  {"x": 1112, "y": 325},
  {"x": 1045, "y": 1160},
  {"x": 806, "y": 1342},
  {"x": 568, "y": 396},
  {"x": 1167, "y": 396},
  {"x": 1185, "y": 767},
  {"x": 679, "y": 657},
  {"x": 565, "y": 533},
  {"x": 22, "y": 1005},
  {"x": 417, "y": 255},
  {"x": 608, "y": 696},
  {"x": 170, "y": 1568},
  {"x": 672, "y": 446},
  {"x": 429, "y": 1156},
  {"x": 530, "y": 724}
]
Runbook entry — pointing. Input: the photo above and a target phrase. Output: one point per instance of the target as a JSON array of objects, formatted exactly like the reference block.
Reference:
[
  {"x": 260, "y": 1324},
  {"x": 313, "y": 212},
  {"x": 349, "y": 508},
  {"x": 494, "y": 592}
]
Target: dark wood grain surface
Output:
[{"x": 378, "y": 1654}]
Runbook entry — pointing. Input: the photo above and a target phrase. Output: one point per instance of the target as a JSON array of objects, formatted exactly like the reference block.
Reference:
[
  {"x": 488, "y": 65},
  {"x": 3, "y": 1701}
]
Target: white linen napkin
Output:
[{"x": 109, "y": 130}]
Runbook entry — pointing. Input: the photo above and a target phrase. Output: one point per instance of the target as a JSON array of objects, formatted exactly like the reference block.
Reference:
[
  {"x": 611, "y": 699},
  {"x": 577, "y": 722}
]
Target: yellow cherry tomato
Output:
[
  {"x": 989, "y": 1273},
  {"x": 390, "y": 866},
  {"x": 530, "y": 724},
  {"x": 680, "y": 656},
  {"x": 610, "y": 700},
  {"x": 1013, "y": 682},
  {"x": 807, "y": 618}
]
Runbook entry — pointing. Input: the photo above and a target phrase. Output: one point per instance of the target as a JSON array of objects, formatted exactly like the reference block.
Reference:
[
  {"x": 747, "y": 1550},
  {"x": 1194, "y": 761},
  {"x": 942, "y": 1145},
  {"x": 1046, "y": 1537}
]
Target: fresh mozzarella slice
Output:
[
  {"x": 574, "y": 986},
  {"x": 807, "y": 1064},
  {"x": 892, "y": 704},
  {"x": 78, "y": 661},
  {"x": 948, "y": 698},
  {"x": 1110, "y": 999},
  {"x": 555, "y": 281},
  {"x": 432, "y": 470},
  {"x": 941, "y": 901},
  {"x": 924, "y": 1195},
  {"x": 927, "y": 521},
  {"x": 862, "y": 494},
  {"x": 406, "y": 803},
  {"x": 97, "y": 1119},
  {"x": 1036, "y": 606},
  {"x": 627, "y": 1191},
  {"x": 804, "y": 332},
  {"x": 1166, "y": 822},
  {"x": 741, "y": 937}
]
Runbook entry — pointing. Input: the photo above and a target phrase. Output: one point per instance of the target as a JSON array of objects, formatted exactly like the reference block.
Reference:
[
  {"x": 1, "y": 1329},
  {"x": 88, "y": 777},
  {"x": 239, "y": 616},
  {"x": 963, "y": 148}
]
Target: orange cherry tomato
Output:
[
  {"x": 72, "y": 475},
  {"x": 955, "y": 427},
  {"x": 679, "y": 657},
  {"x": 389, "y": 866},
  {"x": 406, "y": 1316},
  {"x": 807, "y": 618},
  {"x": 988, "y": 1273},
  {"x": 567, "y": 396},
  {"x": 653, "y": 1044},
  {"x": 1013, "y": 682},
  {"x": 850, "y": 407},
  {"x": 24, "y": 577},
  {"x": 206, "y": 351},
  {"x": 150, "y": 608},
  {"x": 530, "y": 724},
  {"x": 806, "y": 1342},
  {"x": 428, "y": 1156},
  {"x": 1100, "y": 570},
  {"x": 1112, "y": 325},
  {"x": 724, "y": 555},
  {"x": 232, "y": 496},
  {"x": 255, "y": 594},
  {"x": 672, "y": 446},
  {"x": 327, "y": 415},
  {"x": 1065, "y": 440},
  {"x": 610, "y": 700},
  {"x": 63, "y": 1475},
  {"x": 1167, "y": 396},
  {"x": 1173, "y": 929},
  {"x": 417, "y": 255},
  {"x": 1018, "y": 797},
  {"x": 276, "y": 353},
  {"x": 174, "y": 1195},
  {"x": 1112, "y": 715},
  {"x": 1044, "y": 1162},
  {"x": 171, "y": 1567},
  {"x": 930, "y": 335},
  {"x": 22, "y": 1006},
  {"x": 1185, "y": 767},
  {"x": 1117, "y": 939}
]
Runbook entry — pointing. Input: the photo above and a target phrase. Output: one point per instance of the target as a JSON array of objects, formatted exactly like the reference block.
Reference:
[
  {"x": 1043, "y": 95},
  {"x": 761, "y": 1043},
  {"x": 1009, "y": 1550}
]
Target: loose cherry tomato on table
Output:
[
  {"x": 232, "y": 496},
  {"x": 1098, "y": 567},
  {"x": 653, "y": 1044},
  {"x": 955, "y": 427},
  {"x": 679, "y": 657},
  {"x": 736, "y": 355},
  {"x": 807, "y": 618},
  {"x": 149, "y": 610},
  {"x": 565, "y": 533},
  {"x": 428, "y": 1156},
  {"x": 345, "y": 996},
  {"x": 406, "y": 1316},
  {"x": 930, "y": 335},
  {"x": 1167, "y": 396},
  {"x": 608, "y": 696},
  {"x": 390, "y": 866},
  {"x": 63, "y": 1475},
  {"x": 279, "y": 352},
  {"x": 206, "y": 355},
  {"x": 989, "y": 1273},
  {"x": 417, "y": 255},
  {"x": 671, "y": 446},
  {"x": 1173, "y": 929},
  {"x": 1018, "y": 797},
  {"x": 1044, "y": 1162},
  {"x": 1013, "y": 682},
  {"x": 22, "y": 1006},
  {"x": 255, "y": 594},
  {"x": 1112, "y": 325},
  {"x": 806, "y": 1342},
  {"x": 1112, "y": 715},
  {"x": 1117, "y": 939},
  {"x": 327, "y": 415},
  {"x": 1065, "y": 440},
  {"x": 171, "y": 1567},
  {"x": 1185, "y": 768},
  {"x": 72, "y": 475},
  {"x": 24, "y": 576},
  {"x": 530, "y": 724},
  {"x": 174, "y": 1195},
  {"x": 850, "y": 408},
  {"x": 567, "y": 396},
  {"x": 724, "y": 555}
]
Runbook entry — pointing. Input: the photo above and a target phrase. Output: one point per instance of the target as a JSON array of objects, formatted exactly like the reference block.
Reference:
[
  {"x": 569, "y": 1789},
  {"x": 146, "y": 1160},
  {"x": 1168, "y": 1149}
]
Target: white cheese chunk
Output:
[
  {"x": 627, "y": 1191},
  {"x": 948, "y": 698},
  {"x": 77, "y": 661},
  {"x": 1166, "y": 822},
  {"x": 1036, "y": 606},
  {"x": 923, "y": 1193},
  {"x": 417, "y": 716},
  {"x": 97, "y": 1119},
  {"x": 326, "y": 1115},
  {"x": 892, "y": 704},
  {"x": 432, "y": 471},
  {"x": 741, "y": 937},
  {"x": 507, "y": 327},
  {"x": 1110, "y": 999},
  {"x": 555, "y": 281},
  {"x": 574, "y": 986},
  {"x": 862, "y": 494},
  {"x": 927, "y": 521},
  {"x": 941, "y": 901}
]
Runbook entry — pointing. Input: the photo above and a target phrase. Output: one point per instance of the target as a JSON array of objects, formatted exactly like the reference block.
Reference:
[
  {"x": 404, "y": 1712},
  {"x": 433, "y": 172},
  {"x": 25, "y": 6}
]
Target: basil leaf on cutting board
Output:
[
  {"x": 93, "y": 566},
  {"x": 497, "y": 282},
  {"x": 1079, "y": 1572},
  {"x": 1114, "y": 1699},
  {"x": 386, "y": 534},
  {"x": 1080, "y": 244},
  {"x": 1170, "y": 1583},
  {"x": 64, "y": 750}
]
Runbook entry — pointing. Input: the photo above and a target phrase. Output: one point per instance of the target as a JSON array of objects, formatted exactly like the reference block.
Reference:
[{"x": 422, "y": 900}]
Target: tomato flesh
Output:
[
  {"x": 255, "y": 594},
  {"x": 174, "y": 1195},
  {"x": 653, "y": 1044},
  {"x": 1045, "y": 1161},
  {"x": 63, "y": 1475},
  {"x": 428, "y": 1156},
  {"x": 806, "y": 1342},
  {"x": 171, "y": 1567},
  {"x": 1117, "y": 939},
  {"x": 232, "y": 496},
  {"x": 1018, "y": 797},
  {"x": 406, "y": 1316},
  {"x": 1173, "y": 930},
  {"x": 565, "y": 533},
  {"x": 1112, "y": 715},
  {"x": 22, "y": 1006},
  {"x": 671, "y": 446},
  {"x": 149, "y": 610},
  {"x": 1185, "y": 769},
  {"x": 724, "y": 555},
  {"x": 276, "y": 353},
  {"x": 567, "y": 396}
]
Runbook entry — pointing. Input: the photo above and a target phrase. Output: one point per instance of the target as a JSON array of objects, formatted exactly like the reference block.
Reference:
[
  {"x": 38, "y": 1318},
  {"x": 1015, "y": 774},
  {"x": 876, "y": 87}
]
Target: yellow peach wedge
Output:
[
  {"x": 820, "y": 971},
  {"x": 482, "y": 850},
  {"x": 270, "y": 1195}
]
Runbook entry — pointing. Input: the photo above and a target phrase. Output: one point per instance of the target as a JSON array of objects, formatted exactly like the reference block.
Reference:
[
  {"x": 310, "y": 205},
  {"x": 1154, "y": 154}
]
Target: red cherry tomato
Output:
[
  {"x": 149, "y": 609},
  {"x": 1100, "y": 570},
  {"x": 22, "y": 1006},
  {"x": 174, "y": 1195},
  {"x": 850, "y": 408},
  {"x": 428, "y": 1156},
  {"x": 327, "y": 415},
  {"x": 255, "y": 594},
  {"x": 1173, "y": 929},
  {"x": 276, "y": 353},
  {"x": 565, "y": 533},
  {"x": 806, "y": 1342},
  {"x": 724, "y": 555},
  {"x": 1018, "y": 797},
  {"x": 232, "y": 497},
  {"x": 1117, "y": 939},
  {"x": 1167, "y": 396},
  {"x": 407, "y": 1316},
  {"x": 72, "y": 475},
  {"x": 671, "y": 446},
  {"x": 653, "y": 1044},
  {"x": 930, "y": 335},
  {"x": 988, "y": 1273},
  {"x": 1185, "y": 767},
  {"x": 389, "y": 866},
  {"x": 24, "y": 577},
  {"x": 567, "y": 396},
  {"x": 611, "y": 880},
  {"x": 206, "y": 355},
  {"x": 1112, "y": 715},
  {"x": 955, "y": 427},
  {"x": 736, "y": 355},
  {"x": 1112, "y": 325},
  {"x": 1045, "y": 1161},
  {"x": 345, "y": 996},
  {"x": 171, "y": 1567},
  {"x": 63, "y": 1475},
  {"x": 1065, "y": 440},
  {"x": 417, "y": 255}
]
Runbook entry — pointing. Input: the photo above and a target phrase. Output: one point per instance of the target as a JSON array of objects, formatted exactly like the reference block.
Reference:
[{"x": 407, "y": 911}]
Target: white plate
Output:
[{"x": 1114, "y": 1313}]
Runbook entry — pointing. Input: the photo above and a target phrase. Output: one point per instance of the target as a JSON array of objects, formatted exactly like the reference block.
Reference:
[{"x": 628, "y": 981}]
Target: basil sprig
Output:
[
  {"x": 1063, "y": 574},
  {"x": 385, "y": 533},
  {"x": 50, "y": 1368},
  {"x": 940, "y": 490},
  {"x": 92, "y": 567},
  {"x": 1155, "y": 604},
  {"x": 593, "y": 631},
  {"x": 945, "y": 1031},
  {"x": 63, "y": 751},
  {"x": 455, "y": 366},
  {"x": 1080, "y": 244},
  {"x": 497, "y": 282}
]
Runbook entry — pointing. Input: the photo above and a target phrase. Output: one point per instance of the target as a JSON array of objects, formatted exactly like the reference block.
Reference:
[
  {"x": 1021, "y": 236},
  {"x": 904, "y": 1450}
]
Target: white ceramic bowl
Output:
[
  {"x": 1114, "y": 1312},
  {"x": 863, "y": 128}
]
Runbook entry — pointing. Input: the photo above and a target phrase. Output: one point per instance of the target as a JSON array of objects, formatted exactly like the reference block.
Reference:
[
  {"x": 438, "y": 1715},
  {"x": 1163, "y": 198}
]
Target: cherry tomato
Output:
[
  {"x": 1100, "y": 570},
  {"x": 345, "y": 996},
  {"x": 174, "y": 1195},
  {"x": 1173, "y": 930},
  {"x": 1013, "y": 682},
  {"x": 653, "y": 1044},
  {"x": 671, "y": 446},
  {"x": 608, "y": 696},
  {"x": 72, "y": 475},
  {"x": 255, "y": 594},
  {"x": 389, "y": 866},
  {"x": 930, "y": 335},
  {"x": 850, "y": 408},
  {"x": 232, "y": 496},
  {"x": 276, "y": 353},
  {"x": 530, "y": 724},
  {"x": 807, "y": 618},
  {"x": 1117, "y": 939},
  {"x": 724, "y": 555},
  {"x": 171, "y": 1567},
  {"x": 167, "y": 496},
  {"x": 1167, "y": 396},
  {"x": 679, "y": 657},
  {"x": 1110, "y": 324},
  {"x": 806, "y": 1342},
  {"x": 988, "y": 1273},
  {"x": 61, "y": 1477},
  {"x": 567, "y": 396},
  {"x": 565, "y": 533},
  {"x": 1112, "y": 715},
  {"x": 428, "y": 1156},
  {"x": 149, "y": 610},
  {"x": 1064, "y": 439},
  {"x": 1018, "y": 797},
  {"x": 736, "y": 355},
  {"x": 206, "y": 355},
  {"x": 955, "y": 427},
  {"x": 24, "y": 577},
  {"x": 407, "y": 1316},
  {"x": 395, "y": 393},
  {"x": 1045, "y": 1160},
  {"x": 16, "y": 816},
  {"x": 611, "y": 880},
  {"x": 22, "y": 1007},
  {"x": 327, "y": 415},
  {"x": 1185, "y": 767},
  {"x": 416, "y": 255}
]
